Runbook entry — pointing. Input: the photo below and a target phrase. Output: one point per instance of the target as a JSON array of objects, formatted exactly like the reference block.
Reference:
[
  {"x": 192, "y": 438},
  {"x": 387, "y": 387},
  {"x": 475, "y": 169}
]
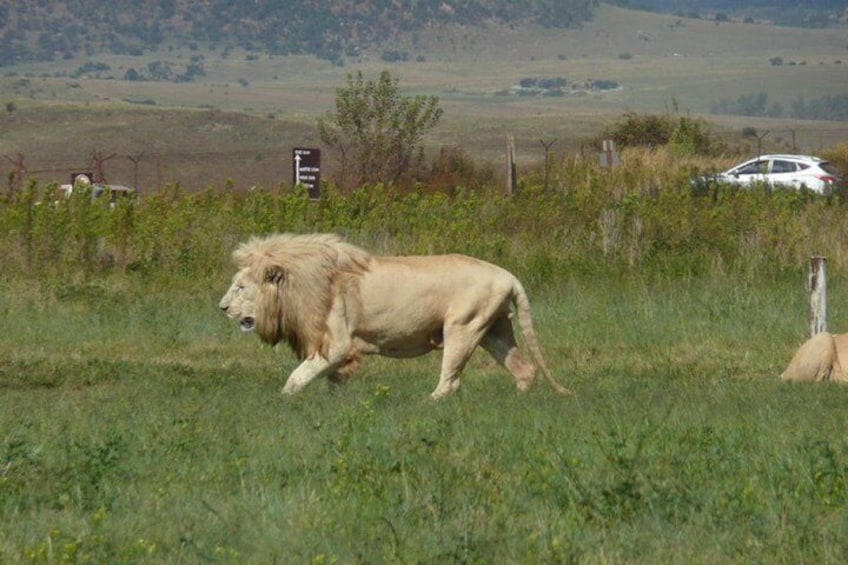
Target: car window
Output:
[
  {"x": 116, "y": 195},
  {"x": 830, "y": 169},
  {"x": 756, "y": 168},
  {"x": 779, "y": 166}
]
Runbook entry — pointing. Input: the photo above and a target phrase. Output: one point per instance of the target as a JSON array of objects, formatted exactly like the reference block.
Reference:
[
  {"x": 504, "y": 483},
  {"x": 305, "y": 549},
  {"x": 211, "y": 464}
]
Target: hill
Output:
[
  {"x": 336, "y": 30},
  {"x": 33, "y": 31},
  {"x": 240, "y": 118},
  {"x": 817, "y": 13}
]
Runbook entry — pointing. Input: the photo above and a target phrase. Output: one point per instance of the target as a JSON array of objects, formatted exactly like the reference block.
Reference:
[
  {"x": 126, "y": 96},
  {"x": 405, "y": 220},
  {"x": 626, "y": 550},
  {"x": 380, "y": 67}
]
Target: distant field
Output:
[{"x": 661, "y": 62}]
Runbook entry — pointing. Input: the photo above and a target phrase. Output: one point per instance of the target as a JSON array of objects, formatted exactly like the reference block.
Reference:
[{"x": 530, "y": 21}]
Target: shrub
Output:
[
  {"x": 692, "y": 137},
  {"x": 634, "y": 130},
  {"x": 393, "y": 56},
  {"x": 639, "y": 216}
]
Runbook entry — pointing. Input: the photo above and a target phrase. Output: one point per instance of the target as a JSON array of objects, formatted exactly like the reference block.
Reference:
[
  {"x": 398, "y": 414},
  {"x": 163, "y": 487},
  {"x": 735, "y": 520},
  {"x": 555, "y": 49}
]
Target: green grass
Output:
[
  {"x": 150, "y": 430},
  {"x": 138, "y": 425}
]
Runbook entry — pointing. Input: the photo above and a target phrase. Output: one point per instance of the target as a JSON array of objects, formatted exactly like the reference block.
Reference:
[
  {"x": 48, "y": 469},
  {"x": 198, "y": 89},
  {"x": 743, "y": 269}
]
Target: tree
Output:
[{"x": 377, "y": 131}]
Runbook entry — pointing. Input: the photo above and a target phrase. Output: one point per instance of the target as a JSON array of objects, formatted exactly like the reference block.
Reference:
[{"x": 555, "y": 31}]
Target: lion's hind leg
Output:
[
  {"x": 500, "y": 342},
  {"x": 459, "y": 343}
]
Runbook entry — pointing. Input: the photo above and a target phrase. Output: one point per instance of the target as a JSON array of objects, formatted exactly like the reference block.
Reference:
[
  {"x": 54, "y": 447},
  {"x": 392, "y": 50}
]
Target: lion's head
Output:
[
  {"x": 239, "y": 302},
  {"x": 286, "y": 283}
]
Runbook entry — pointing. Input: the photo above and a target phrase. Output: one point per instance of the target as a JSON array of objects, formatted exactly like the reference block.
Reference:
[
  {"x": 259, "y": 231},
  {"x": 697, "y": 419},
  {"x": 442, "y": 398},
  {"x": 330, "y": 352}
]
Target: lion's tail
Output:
[{"x": 525, "y": 320}]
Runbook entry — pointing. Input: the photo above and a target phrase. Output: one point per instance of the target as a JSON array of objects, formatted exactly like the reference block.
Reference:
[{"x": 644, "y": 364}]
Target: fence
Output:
[
  {"x": 147, "y": 172},
  {"x": 271, "y": 166}
]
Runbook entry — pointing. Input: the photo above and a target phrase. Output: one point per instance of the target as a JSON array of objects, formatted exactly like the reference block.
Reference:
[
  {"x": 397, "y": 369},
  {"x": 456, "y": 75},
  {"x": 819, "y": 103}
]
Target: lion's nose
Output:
[{"x": 224, "y": 308}]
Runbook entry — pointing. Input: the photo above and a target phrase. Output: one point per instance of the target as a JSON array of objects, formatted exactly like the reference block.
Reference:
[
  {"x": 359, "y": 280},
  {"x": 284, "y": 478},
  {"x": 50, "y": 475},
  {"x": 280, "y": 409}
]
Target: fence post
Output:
[
  {"x": 818, "y": 295},
  {"x": 511, "y": 180}
]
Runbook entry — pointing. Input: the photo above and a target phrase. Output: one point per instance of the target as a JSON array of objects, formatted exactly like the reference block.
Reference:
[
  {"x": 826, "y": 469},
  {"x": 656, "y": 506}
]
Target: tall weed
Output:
[{"x": 640, "y": 216}]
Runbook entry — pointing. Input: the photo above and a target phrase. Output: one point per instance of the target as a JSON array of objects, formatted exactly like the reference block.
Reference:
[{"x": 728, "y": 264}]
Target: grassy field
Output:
[
  {"x": 165, "y": 132},
  {"x": 141, "y": 426},
  {"x": 137, "y": 424}
]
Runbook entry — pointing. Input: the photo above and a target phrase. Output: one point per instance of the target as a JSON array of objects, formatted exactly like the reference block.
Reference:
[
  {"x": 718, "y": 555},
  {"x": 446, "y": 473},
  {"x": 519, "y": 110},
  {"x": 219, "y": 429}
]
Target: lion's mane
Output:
[{"x": 298, "y": 276}]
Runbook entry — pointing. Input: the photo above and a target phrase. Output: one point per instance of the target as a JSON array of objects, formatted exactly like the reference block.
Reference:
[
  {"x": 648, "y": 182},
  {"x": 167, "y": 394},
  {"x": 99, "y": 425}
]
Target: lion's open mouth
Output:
[{"x": 247, "y": 324}]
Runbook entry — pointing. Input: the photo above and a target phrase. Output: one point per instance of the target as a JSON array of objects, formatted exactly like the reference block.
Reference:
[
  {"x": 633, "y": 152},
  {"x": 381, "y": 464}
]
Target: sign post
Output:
[
  {"x": 306, "y": 170},
  {"x": 609, "y": 156}
]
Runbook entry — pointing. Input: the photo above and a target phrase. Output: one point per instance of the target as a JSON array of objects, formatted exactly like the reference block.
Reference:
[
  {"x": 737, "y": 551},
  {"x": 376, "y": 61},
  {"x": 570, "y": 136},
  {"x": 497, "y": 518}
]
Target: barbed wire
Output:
[{"x": 154, "y": 168}]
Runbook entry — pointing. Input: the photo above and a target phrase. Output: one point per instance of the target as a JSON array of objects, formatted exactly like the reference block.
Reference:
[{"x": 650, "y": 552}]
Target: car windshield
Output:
[{"x": 756, "y": 168}]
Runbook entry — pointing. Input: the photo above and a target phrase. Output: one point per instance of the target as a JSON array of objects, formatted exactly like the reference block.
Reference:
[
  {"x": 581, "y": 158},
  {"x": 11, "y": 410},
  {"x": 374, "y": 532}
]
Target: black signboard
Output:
[{"x": 306, "y": 170}]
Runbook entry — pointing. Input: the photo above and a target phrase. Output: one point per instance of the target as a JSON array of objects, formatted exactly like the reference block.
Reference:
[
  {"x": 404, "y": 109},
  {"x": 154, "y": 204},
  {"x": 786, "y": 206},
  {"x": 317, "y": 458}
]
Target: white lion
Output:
[
  {"x": 823, "y": 357},
  {"x": 333, "y": 302}
]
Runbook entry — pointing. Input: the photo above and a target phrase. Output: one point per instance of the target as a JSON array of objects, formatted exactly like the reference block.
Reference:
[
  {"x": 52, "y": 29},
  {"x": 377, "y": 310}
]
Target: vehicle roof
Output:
[
  {"x": 98, "y": 189},
  {"x": 102, "y": 185},
  {"x": 789, "y": 156}
]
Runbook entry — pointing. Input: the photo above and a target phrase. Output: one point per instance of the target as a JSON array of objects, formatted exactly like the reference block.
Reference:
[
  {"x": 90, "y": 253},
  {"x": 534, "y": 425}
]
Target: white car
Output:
[
  {"x": 791, "y": 171},
  {"x": 112, "y": 192}
]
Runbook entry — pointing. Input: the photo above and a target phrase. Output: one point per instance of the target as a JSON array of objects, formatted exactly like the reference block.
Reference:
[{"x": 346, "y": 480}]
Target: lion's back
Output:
[
  {"x": 424, "y": 288},
  {"x": 446, "y": 275}
]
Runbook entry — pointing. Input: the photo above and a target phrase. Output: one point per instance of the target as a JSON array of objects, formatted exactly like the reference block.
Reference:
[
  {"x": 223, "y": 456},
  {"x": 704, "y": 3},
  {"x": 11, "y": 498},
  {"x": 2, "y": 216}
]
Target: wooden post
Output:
[
  {"x": 818, "y": 295},
  {"x": 608, "y": 156},
  {"x": 511, "y": 181}
]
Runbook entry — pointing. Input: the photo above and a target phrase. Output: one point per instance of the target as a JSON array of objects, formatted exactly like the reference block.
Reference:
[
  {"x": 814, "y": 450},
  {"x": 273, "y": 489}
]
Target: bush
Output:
[
  {"x": 692, "y": 137},
  {"x": 634, "y": 130},
  {"x": 639, "y": 216},
  {"x": 685, "y": 136},
  {"x": 393, "y": 56}
]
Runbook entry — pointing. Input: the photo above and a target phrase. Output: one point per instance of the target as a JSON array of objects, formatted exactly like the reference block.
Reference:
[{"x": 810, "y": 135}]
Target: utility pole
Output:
[
  {"x": 134, "y": 159},
  {"x": 96, "y": 164},
  {"x": 760, "y": 138},
  {"x": 547, "y": 147},
  {"x": 16, "y": 177}
]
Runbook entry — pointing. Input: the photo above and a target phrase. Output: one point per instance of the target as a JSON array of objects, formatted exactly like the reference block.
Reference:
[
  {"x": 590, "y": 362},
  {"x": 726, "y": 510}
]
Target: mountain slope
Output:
[{"x": 44, "y": 31}]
